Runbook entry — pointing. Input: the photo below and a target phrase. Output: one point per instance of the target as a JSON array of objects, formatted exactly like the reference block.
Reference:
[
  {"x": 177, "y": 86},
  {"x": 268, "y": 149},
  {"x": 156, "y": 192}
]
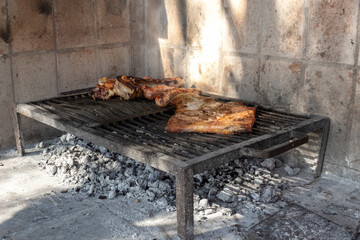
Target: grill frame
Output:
[{"x": 103, "y": 123}]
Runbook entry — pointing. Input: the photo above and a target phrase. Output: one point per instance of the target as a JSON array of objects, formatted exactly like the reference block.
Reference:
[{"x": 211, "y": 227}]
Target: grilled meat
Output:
[
  {"x": 195, "y": 113},
  {"x": 151, "y": 92},
  {"x": 129, "y": 87},
  {"x": 164, "y": 98}
]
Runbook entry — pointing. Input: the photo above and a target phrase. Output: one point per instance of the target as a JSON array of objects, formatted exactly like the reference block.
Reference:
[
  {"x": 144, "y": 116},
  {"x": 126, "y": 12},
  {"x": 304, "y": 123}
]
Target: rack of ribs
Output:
[
  {"x": 195, "y": 113},
  {"x": 128, "y": 87}
]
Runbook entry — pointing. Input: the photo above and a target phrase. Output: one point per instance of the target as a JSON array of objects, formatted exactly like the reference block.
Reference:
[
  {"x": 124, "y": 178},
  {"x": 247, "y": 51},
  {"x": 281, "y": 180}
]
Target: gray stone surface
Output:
[
  {"x": 114, "y": 61},
  {"x": 34, "y": 77},
  {"x": 113, "y": 21},
  {"x": 7, "y": 135},
  {"x": 176, "y": 22},
  {"x": 295, "y": 222},
  {"x": 74, "y": 23},
  {"x": 35, "y": 205},
  {"x": 239, "y": 78},
  {"x": 279, "y": 83},
  {"x": 4, "y": 33},
  {"x": 77, "y": 69},
  {"x": 332, "y": 30},
  {"x": 283, "y": 25},
  {"x": 314, "y": 97},
  {"x": 173, "y": 62},
  {"x": 203, "y": 69},
  {"x": 31, "y": 25},
  {"x": 241, "y": 25}
]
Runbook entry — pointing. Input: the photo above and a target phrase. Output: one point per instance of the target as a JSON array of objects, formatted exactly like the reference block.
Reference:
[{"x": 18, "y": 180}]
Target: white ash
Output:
[{"x": 244, "y": 185}]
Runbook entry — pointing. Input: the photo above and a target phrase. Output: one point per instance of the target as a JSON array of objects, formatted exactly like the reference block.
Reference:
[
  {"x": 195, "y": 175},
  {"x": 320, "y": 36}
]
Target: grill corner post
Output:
[
  {"x": 18, "y": 135},
  {"x": 324, "y": 139},
  {"x": 185, "y": 202}
]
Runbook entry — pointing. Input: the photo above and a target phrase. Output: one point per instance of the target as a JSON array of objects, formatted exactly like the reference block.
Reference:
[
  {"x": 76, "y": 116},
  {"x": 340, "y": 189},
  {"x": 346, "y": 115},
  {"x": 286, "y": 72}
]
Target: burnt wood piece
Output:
[{"x": 136, "y": 130}]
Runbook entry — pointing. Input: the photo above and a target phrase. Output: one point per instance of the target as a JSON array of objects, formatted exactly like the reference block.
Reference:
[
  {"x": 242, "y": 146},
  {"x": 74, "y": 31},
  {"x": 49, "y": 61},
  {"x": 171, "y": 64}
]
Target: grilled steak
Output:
[
  {"x": 151, "y": 92},
  {"x": 195, "y": 113},
  {"x": 164, "y": 98},
  {"x": 129, "y": 87}
]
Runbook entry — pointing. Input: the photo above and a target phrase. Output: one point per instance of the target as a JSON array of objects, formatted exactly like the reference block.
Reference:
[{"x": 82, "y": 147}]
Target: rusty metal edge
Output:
[{"x": 156, "y": 160}]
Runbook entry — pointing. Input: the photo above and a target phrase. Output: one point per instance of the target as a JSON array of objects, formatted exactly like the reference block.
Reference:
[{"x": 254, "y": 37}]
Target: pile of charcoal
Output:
[{"x": 95, "y": 171}]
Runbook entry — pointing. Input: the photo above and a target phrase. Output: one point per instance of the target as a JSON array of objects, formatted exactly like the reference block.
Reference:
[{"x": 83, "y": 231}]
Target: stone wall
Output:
[
  {"x": 53, "y": 46},
  {"x": 298, "y": 55}
]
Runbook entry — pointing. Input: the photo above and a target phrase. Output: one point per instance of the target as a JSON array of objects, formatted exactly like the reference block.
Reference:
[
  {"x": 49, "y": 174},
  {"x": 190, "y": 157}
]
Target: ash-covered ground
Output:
[{"x": 244, "y": 185}]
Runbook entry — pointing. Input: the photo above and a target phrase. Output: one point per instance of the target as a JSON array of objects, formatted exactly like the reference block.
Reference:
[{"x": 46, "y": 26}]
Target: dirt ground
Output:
[{"x": 35, "y": 205}]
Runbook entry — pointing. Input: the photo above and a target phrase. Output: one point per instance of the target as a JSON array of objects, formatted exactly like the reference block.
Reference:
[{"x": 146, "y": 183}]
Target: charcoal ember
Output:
[
  {"x": 123, "y": 187},
  {"x": 212, "y": 194},
  {"x": 161, "y": 202},
  {"x": 103, "y": 150},
  {"x": 227, "y": 211},
  {"x": 209, "y": 211},
  {"x": 150, "y": 195},
  {"x": 164, "y": 187},
  {"x": 268, "y": 195},
  {"x": 84, "y": 160},
  {"x": 278, "y": 163},
  {"x": 129, "y": 172},
  {"x": 226, "y": 196},
  {"x": 206, "y": 175},
  {"x": 258, "y": 183},
  {"x": 51, "y": 169},
  {"x": 198, "y": 178},
  {"x": 204, "y": 204},
  {"x": 112, "y": 194},
  {"x": 291, "y": 171},
  {"x": 154, "y": 184},
  {"x": 103, "y": 173},
  {"x": 269, "y": 163},
  {"x": 91, "y": 189},
  {"x": 141, "y": 182},
  {"x": 255, "y": 196}
]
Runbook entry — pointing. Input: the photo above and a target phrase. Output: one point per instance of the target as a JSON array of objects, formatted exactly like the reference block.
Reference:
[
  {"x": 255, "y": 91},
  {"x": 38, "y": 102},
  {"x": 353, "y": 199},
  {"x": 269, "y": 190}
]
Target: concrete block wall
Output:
[
  {"x": 53, "y": 46},
  {"x": 298, "y": 55}
]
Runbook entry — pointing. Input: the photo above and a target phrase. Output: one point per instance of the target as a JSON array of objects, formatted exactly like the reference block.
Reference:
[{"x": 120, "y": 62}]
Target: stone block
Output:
[
  {"x": 34, "y": 77},
  {"x": 282, "y": 28},
  {"x": 174, "y": 19},
  {"x": 113, "y": 21},
  {"x": 279, "y": 83},
  {"x": 31, "y": 25},
  {"x": 327, "y": 91},
  {"x": 173, "y": 62},
  {"x": 137, "y": 21},
  {"x": 354, "y": 137},
  {"x": 203, "y": 70},
  {"x": 332, "y": 31},
  {"x": 154, "y": 21},
  {"x": 240, "y": 78},
  {"x": 4, "y": 31},
  {"x": 154, "y": 65},
  {"x": 77, "y": 70},
  {"x": 241, "y": 25},
  {"x": 74, "y": 23},
  {"x": 138, "y": 67},
  {"x": 204, "y": 25},
  {"x": 114, "y": 61},
  {"x": 6, "y": 100}
]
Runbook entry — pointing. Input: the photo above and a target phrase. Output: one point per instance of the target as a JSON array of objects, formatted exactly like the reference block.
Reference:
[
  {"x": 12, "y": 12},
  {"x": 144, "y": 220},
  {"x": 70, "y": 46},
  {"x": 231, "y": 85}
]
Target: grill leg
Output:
[
  {"x": 185, "y": 203},
  {"x": 324, "y": 139},
  {"x": 18, "y": 135}
]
